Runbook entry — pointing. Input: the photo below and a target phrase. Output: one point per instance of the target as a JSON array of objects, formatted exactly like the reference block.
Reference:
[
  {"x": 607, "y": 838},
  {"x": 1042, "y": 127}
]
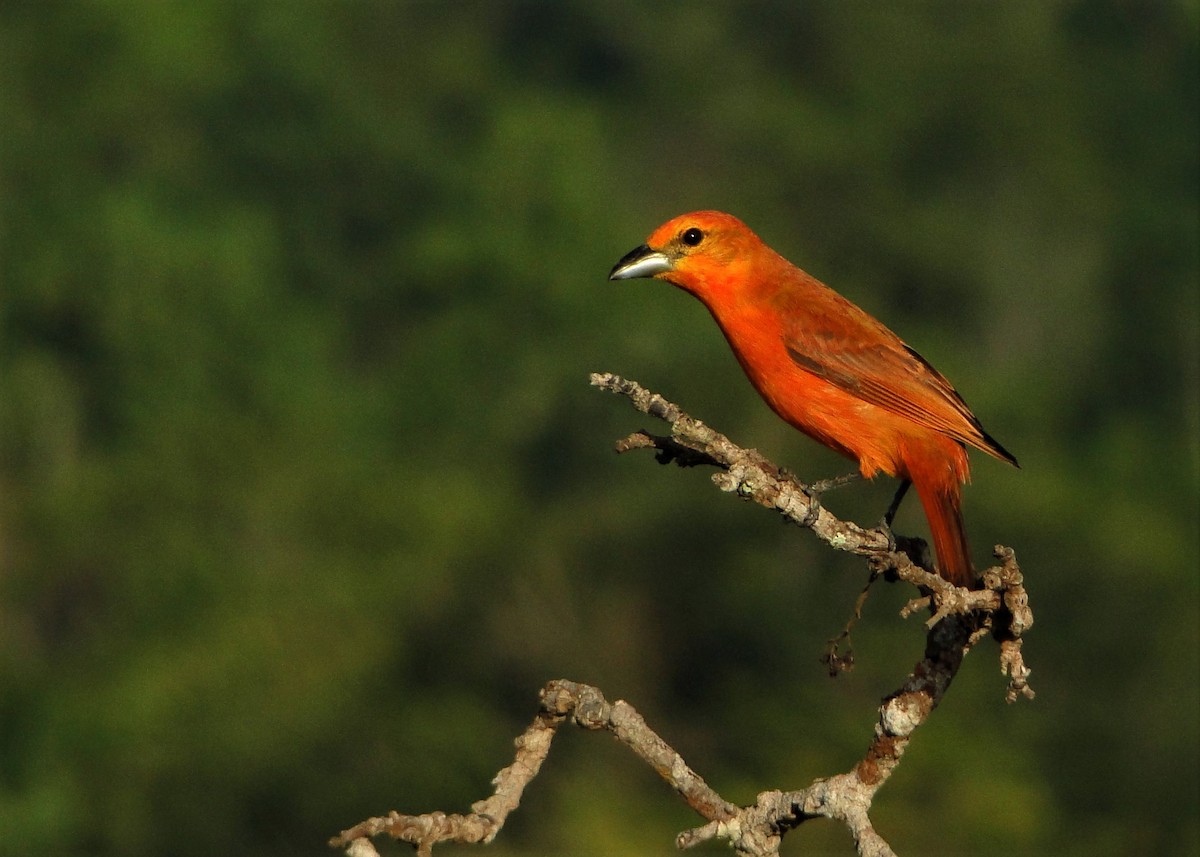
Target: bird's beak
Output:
[{"x": 640, "y": 262}]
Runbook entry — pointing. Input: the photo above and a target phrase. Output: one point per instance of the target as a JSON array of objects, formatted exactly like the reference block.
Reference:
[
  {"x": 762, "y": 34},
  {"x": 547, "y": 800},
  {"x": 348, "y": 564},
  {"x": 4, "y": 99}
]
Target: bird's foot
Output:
[{"x": 885, "y": 526}]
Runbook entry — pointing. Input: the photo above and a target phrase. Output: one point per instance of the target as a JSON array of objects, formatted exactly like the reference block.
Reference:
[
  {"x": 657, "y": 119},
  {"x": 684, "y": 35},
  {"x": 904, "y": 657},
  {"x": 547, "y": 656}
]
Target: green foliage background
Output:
[{"x": 304, "y": 494}]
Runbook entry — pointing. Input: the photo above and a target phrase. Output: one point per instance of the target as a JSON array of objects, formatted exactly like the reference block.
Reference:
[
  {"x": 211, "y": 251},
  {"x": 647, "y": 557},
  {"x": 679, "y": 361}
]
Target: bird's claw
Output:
[
  {"x": 885, "y": 526},
  {"x": 813, "y": 493}
]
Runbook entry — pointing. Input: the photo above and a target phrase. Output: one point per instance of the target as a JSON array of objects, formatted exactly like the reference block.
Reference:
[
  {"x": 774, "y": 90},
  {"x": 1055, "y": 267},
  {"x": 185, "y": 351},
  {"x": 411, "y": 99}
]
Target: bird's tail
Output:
[{"x": 942, "y": 501}]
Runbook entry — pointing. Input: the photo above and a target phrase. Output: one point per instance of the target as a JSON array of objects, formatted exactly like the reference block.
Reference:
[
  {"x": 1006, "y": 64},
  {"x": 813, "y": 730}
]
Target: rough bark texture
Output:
[{"x": 959, "y": 618}]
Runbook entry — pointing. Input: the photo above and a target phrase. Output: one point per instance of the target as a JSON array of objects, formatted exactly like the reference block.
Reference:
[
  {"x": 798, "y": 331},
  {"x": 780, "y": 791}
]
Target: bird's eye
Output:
[{"x": 692, "y": 237}]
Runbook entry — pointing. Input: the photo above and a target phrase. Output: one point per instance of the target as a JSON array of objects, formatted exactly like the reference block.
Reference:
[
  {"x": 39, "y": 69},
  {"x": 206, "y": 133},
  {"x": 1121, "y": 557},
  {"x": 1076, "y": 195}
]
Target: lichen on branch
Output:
[{"x": 958, "y": 619}]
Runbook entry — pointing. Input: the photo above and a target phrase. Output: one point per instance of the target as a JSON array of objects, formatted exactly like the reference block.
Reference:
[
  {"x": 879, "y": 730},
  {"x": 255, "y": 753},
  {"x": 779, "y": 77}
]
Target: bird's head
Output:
[{"x": 694, "y": 251}]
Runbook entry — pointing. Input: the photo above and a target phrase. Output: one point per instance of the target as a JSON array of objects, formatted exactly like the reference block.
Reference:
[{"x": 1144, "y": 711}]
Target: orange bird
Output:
[{"x": 827, "y": 367}]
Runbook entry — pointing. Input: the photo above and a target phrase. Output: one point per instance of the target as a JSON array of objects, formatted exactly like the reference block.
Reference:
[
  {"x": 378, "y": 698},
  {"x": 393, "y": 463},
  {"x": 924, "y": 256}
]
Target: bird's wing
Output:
[{"x": 853, "y": 351}]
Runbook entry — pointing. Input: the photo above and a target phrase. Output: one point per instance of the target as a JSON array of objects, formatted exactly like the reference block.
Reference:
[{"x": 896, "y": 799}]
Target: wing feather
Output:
[{"x": 855, "y": 353}]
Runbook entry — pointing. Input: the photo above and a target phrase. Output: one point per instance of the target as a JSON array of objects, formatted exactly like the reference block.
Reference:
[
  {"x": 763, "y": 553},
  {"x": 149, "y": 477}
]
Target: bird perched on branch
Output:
[{"x": 828, "y": 367}]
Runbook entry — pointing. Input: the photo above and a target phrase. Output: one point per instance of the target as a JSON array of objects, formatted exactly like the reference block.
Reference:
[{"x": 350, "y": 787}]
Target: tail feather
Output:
[{"x": 943, "y": 509}]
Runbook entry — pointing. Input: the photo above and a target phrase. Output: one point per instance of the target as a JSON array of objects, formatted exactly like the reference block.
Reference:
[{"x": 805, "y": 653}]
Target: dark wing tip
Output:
[{"x": 999, "y": 451}]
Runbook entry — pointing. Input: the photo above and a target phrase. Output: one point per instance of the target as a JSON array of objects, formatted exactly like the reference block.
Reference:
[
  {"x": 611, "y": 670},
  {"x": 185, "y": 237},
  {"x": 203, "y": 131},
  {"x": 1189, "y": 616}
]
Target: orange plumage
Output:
[{"x": 827, "y": 367}]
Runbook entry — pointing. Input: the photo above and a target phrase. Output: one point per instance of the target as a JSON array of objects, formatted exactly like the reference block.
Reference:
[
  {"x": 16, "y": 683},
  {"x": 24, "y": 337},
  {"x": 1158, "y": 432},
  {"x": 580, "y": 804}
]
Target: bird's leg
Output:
[
  {"x": 890, "y": 515},
  {"x": 894, "y": 507},
  {"x": 815, "y": 491}
]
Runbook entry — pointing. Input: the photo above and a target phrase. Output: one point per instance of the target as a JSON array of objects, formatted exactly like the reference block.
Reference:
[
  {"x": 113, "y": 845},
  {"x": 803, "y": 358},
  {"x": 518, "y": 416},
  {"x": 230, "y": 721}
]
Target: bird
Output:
[{"x": 828, "y": 368}]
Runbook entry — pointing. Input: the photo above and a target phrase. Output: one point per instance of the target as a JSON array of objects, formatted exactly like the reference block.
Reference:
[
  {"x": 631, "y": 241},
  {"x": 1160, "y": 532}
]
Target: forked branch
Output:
[{"x": 959, "y": 618}]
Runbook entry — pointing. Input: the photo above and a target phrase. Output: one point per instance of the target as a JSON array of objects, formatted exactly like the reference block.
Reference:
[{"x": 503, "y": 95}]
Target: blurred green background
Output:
[{"x": 304, "y": 493}]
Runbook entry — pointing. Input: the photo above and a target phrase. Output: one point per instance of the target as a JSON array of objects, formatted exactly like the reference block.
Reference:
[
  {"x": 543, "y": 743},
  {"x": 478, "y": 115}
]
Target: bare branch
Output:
[
  {"x": 746, "y": 473},
  {"x": 561, "y": 700},
  {"x": 959, "y": 619},
  {"x": 753, "y": 831},
  {"x": 743, "y": 472}
]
